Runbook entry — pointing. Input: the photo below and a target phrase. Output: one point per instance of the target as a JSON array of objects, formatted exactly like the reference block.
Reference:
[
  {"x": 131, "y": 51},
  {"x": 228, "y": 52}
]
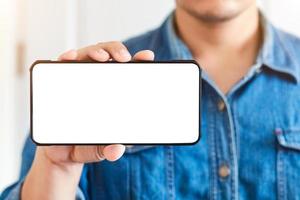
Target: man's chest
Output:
[
  {"x": 250, "y": 149},
  {"x": 254, "y": 139}
]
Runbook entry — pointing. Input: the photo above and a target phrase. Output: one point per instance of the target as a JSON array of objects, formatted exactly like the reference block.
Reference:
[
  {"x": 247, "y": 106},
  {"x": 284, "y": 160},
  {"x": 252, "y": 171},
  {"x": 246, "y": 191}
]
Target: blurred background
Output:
[{"x": 43, "y": 29}]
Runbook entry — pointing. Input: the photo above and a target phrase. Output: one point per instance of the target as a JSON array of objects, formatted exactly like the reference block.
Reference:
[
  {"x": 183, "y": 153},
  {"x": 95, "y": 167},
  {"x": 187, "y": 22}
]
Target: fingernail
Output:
[
  {"x": 113, "y": 152},
  {"x": 114, "y": 147},
  {"x": 101, "y": 51},
  {"x": 124, "y": 53}
]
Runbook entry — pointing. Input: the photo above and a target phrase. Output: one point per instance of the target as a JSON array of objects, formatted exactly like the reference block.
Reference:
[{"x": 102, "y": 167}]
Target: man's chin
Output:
[{"x": 214, "y": 17}]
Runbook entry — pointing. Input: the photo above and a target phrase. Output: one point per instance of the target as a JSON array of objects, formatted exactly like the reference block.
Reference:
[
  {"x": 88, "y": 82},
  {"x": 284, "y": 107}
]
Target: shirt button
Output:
[
  {"x": 221, "y": 105},
  {"x": 224, "y": 171}
]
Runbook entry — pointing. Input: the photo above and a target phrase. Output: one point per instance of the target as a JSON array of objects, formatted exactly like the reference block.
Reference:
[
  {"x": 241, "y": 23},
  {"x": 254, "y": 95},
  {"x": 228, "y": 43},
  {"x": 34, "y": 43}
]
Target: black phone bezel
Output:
[{"x": 136, "y": 144}]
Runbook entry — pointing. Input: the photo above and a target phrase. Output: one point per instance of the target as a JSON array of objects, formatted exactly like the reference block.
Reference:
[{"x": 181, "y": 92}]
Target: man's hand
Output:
[
  {"x": 103, "y": 52},
  {"x": 56, "y": 170}
]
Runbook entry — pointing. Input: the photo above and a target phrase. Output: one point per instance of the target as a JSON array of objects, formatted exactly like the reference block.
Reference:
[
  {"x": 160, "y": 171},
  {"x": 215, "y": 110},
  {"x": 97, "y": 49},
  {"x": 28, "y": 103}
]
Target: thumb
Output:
[{"x": 87, "y": 154}]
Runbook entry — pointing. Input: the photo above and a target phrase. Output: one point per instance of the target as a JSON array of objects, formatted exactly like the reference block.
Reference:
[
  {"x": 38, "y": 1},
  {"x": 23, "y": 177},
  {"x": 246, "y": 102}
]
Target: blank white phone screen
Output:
[{"x": 107, "y": 103}]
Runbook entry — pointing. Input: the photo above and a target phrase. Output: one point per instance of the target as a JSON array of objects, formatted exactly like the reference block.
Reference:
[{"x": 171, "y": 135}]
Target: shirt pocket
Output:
[
  {"x": 288, "y": 163},
  {"x": 289, "y": 138}
]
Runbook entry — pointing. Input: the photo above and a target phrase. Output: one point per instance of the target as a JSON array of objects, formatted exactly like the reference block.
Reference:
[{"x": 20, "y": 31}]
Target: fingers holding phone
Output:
[{"x": 106, "y": 51}]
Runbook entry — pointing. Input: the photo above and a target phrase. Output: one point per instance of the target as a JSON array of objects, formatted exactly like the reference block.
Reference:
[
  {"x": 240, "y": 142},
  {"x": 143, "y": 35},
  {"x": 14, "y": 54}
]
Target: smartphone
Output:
[{"x": 133, "y": 103}]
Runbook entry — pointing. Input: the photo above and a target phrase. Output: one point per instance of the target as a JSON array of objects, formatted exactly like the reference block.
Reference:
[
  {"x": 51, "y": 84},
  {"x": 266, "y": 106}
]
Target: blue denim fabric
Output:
[{"x": 256, "y": 136}]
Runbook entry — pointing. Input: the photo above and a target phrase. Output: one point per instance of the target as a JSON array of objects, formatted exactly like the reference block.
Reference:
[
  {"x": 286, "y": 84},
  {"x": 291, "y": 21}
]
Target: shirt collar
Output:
[{"x": 277, "y": 53}]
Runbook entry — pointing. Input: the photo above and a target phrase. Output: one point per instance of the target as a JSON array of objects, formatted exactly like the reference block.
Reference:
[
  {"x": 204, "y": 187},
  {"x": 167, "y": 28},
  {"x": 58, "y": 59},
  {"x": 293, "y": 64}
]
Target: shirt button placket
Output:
[{"x": 224, "y": 170}]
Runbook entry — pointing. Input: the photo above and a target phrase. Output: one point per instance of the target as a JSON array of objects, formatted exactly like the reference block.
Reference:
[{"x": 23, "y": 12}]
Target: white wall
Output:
[
  {"x": 49, "y": 27},
  {"x": 8, "y": 166},
  {"x": 284, "y": 14},
  {"x": 116, "y": 20}
]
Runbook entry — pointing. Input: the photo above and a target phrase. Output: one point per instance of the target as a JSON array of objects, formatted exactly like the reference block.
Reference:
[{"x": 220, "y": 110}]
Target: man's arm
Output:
[
  {"x": 55, "y": 171},
  {"x": 13, "y": 192}
]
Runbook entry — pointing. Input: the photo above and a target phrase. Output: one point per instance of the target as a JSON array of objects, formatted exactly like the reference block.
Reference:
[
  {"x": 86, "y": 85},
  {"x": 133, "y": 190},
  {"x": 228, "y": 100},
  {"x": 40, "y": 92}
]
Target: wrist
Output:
[{"x": 49, "y": 180}]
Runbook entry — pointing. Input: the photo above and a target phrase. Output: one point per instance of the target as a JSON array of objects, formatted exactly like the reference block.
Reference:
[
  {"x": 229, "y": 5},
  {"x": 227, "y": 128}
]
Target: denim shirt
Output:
[{"x": 250, "y": 145}]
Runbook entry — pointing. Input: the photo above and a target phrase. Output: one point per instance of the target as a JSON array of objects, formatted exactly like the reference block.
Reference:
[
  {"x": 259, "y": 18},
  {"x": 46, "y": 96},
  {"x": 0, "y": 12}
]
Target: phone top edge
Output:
[
  {"x": 142, "y": 61},
  {"x": 111, "y": 62}
]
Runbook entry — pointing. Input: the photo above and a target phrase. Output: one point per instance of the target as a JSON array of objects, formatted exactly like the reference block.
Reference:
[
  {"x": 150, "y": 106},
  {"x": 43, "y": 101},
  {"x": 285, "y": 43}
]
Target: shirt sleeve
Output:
[{"x": 13, "y": 192}]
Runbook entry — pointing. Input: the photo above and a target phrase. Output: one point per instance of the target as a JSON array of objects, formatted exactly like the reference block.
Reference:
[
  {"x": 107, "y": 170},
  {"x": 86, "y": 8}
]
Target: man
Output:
[{"x": 250, "y": 146}]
